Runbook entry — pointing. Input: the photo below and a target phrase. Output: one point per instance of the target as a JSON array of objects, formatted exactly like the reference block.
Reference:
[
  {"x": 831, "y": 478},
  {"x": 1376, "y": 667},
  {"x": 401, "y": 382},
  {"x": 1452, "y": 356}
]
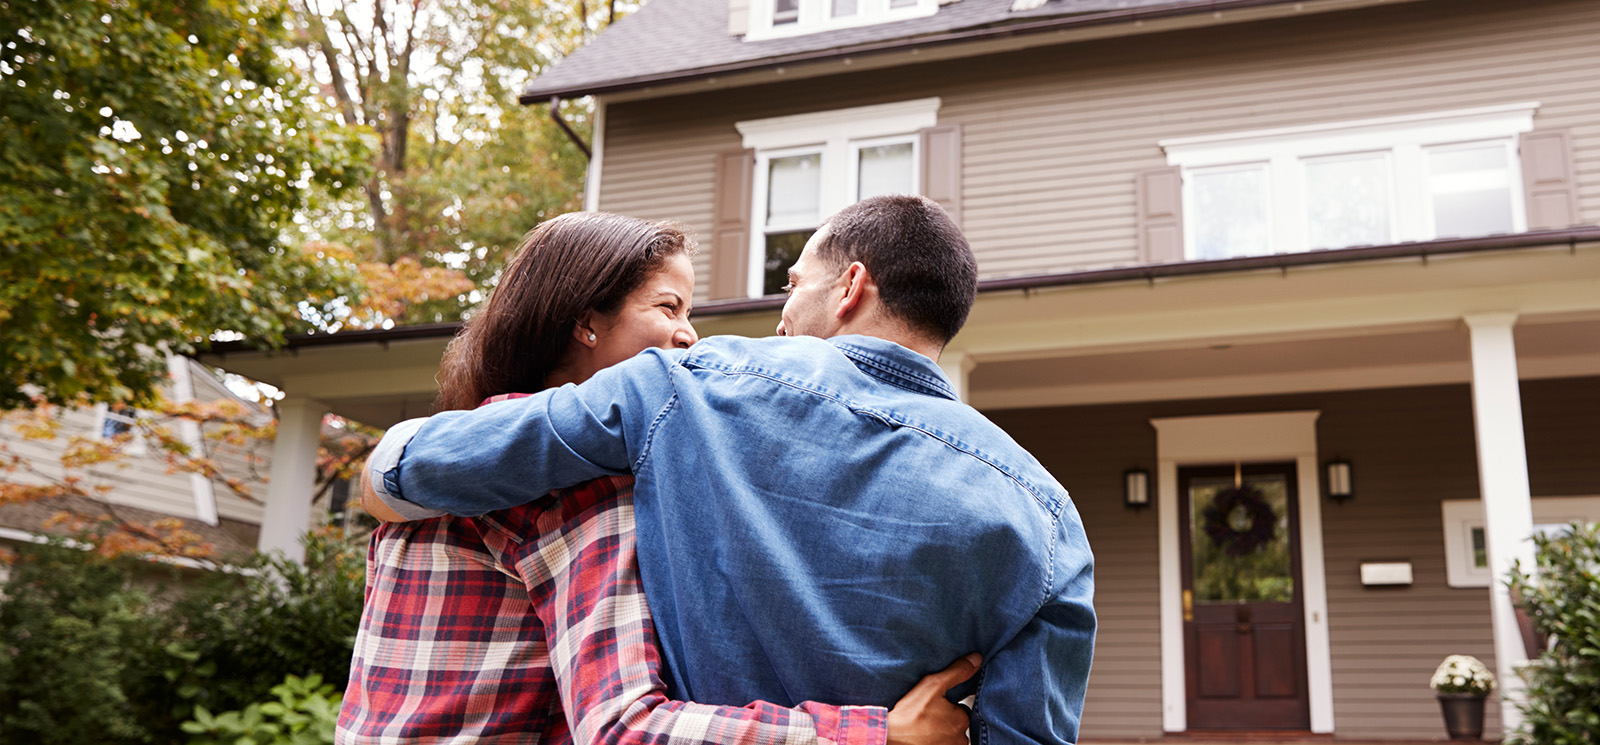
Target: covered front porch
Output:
[{"x": 1441, "y": 373}]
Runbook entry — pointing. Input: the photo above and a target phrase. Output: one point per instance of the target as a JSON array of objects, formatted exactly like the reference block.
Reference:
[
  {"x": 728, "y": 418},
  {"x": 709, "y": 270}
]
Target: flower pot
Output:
[{"x": 1463, "y": 715}]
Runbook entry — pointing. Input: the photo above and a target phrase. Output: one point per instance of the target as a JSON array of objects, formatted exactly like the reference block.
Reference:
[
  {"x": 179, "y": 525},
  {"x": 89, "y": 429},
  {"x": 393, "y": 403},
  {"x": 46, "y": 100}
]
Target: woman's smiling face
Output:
[{"x": 655, "y": 315}]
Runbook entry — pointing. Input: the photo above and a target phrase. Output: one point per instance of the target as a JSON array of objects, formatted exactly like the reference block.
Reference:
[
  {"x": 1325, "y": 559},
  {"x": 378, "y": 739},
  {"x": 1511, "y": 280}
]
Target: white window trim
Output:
[
  {"x": 1406, "y": 138},
  {"x": 1462, "y": 515},
  {"x": 136, "y": 445},
  {"x": 814, "y": 17},
  {"x": 838, "y": 136}
]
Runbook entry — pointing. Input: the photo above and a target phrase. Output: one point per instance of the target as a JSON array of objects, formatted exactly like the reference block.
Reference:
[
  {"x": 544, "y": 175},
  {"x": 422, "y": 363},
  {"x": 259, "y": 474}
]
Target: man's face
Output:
[{"x": 812, "y": 284}]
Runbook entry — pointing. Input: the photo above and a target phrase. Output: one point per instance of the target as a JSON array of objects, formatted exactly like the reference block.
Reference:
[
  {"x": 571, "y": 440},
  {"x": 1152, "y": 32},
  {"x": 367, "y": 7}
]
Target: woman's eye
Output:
[{"x": 788, "y": 288}]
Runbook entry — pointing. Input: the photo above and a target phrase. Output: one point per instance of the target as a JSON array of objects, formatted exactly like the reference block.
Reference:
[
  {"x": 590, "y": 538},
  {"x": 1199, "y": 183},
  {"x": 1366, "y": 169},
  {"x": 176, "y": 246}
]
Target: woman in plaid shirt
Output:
[{"x": 529, "y": 625}]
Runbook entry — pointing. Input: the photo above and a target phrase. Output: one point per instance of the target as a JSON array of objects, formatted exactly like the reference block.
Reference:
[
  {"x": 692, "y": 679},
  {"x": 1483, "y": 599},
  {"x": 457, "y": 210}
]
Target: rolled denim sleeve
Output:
[
  {"x": 510, "y": 453},
  {"x": 383, "y": 470},
  {"x": 1033, "y": 688}
]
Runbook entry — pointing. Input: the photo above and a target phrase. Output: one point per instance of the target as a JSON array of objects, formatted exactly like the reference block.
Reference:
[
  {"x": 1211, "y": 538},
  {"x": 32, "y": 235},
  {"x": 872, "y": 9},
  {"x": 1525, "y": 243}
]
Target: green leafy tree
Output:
[
  {"x": 1561, "y": 594},
  {"x": 462, "y": 171},
  {"x": 153, "y": 158}
]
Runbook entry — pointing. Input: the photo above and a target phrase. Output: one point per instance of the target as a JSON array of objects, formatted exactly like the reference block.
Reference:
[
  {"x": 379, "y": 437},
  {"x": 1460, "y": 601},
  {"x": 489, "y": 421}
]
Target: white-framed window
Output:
[
  {"x": 772, "y": 19},
  {"x": 1366, "y": 182},
  {"x": 111, "y": 422},
  {"x": 808, "y": 166},
  {"x": 1466, "y": 555}
]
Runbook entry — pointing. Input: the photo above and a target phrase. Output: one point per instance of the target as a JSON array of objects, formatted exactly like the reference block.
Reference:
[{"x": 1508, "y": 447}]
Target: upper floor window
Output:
[
  {"x": 809, "y": 166},
  {"x": 1367, "y": 182},
  {"x": 119, "y": 421},
  {"x": 770, "y": 19}
]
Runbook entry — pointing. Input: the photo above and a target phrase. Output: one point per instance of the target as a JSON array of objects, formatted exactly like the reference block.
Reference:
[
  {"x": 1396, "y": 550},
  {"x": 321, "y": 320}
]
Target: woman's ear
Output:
[{"x": 583, "y": 330}]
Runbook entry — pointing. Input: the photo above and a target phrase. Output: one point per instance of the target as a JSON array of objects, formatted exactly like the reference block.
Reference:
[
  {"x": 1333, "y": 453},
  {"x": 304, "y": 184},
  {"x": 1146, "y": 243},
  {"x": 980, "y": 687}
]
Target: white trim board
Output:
[
  {"x": 597, "y": 152},
  {"x": 1289, "y": 435},
  {"x": 1462, "y": 516}
]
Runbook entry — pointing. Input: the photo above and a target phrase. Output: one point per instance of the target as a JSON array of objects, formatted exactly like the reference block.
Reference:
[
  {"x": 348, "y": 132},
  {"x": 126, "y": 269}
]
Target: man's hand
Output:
[
  {"x": 372, "y": 503},
  {"x": 925, "y": 717}
]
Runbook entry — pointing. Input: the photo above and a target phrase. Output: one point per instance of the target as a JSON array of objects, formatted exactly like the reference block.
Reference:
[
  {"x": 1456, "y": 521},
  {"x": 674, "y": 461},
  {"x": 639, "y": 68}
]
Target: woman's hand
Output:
[{"x": 925, "y": 717}]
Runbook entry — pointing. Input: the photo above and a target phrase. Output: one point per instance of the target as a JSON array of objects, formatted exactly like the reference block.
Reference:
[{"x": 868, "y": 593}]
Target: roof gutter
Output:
[
  {"x": 1026, "y": 28},
  {"x": 1536, "y": 239},
  {"x": 1570, "y": 237},
  {"x": 555, "y": 116}
]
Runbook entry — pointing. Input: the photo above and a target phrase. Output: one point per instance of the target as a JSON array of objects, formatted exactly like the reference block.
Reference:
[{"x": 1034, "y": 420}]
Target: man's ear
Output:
[
  {"x": 856, "y": 280},
  {"x": 583, "y": 330}
]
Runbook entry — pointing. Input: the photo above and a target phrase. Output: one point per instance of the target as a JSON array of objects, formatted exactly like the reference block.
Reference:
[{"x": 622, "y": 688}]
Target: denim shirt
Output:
[{"x": 817, "y": 520}]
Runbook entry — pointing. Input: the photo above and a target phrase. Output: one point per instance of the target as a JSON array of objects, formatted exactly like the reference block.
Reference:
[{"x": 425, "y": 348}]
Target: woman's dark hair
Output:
[{"x": 577, "y": 262}]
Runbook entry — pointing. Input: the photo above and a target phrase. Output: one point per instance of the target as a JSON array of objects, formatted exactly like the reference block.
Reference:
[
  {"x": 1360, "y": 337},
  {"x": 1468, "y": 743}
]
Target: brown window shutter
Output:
[
  {"x": 941, "y": 167},
  {"x": 730, "y": 225},
  {"x": 1160, "y": 206},
  {"x": 1547, "y": 177},
  {"x": 738, "y": 17}
]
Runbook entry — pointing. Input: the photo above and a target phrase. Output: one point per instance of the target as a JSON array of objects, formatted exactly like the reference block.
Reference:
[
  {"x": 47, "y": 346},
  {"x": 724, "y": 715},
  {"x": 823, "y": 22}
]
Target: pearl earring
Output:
[{"x": 591, "y": 336}]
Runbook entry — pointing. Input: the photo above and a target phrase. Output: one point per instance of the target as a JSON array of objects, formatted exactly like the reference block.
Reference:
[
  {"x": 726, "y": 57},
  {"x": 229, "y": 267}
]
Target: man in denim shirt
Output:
[{"x": 819, "y": 516}]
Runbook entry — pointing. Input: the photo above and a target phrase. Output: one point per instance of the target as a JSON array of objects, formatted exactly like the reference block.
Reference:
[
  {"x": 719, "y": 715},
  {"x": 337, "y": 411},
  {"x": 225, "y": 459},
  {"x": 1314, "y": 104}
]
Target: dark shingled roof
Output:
[
  {"x": 232, "y": 539},
  {"x": 670, "y": 40}
]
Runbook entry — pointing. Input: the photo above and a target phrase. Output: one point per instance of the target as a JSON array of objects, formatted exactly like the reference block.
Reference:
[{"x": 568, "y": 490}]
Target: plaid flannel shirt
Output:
[{"x": 529, "y": 625}]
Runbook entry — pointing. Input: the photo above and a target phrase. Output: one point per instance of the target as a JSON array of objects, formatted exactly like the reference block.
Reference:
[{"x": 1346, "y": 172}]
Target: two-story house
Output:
[{"x": 1300, "y": 299}]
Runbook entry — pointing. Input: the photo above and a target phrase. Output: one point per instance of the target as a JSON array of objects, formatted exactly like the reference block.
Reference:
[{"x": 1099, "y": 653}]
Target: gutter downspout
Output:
[{"x": 555, "y": 116}]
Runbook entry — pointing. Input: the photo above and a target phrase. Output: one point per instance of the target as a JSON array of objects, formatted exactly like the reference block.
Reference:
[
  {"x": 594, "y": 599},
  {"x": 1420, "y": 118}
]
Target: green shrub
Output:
[
  {"x": 1562, "y": 597},
  {"x": 87, "y": 654},
  {"x": 304, "y": 713},
  {"x": 246, "y": 632},
  {"x": 75, "y": 638}
]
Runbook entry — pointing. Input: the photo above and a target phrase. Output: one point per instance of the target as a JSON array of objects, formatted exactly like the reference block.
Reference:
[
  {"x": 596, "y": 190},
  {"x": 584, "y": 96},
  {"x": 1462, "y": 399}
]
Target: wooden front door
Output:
[{"x": 1244, "y": 636}]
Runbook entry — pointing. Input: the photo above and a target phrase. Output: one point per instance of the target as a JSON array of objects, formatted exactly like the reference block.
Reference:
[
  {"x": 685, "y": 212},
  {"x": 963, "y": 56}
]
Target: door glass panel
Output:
[
  {"x": 1240, "y": 540},
  {"x": 1347, "y": 200},
  {"x": 1230, "y": 211}
]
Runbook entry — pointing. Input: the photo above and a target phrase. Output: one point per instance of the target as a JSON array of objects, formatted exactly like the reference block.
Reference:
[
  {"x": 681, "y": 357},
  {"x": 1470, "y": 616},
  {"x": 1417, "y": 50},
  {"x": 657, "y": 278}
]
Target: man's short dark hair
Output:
[{"x": 924, "y": 268}]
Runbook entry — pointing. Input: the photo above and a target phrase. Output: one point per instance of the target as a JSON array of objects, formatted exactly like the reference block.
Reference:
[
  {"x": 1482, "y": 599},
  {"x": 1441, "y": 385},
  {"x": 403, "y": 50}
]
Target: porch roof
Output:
[{"x": 382, "y": 376}]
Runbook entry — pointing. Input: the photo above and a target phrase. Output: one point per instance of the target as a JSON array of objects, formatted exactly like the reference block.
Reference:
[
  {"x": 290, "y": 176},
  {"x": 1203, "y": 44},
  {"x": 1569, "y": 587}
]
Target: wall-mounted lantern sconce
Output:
[
  {"x": 1136, "y": 489},
  {"x": 1340, "y": 488}
]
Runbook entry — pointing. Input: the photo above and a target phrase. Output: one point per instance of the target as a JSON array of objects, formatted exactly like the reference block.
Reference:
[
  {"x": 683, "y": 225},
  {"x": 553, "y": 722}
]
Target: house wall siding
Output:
[
  {"x": 1411, "y": 448},
  {"x": 142, "y": 481},
  {"x": 1054, "y": 137}
]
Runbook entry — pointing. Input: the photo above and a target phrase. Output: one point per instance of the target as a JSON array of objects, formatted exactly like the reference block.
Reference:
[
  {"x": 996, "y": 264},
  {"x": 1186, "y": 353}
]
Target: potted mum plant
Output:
[{"x": 1462, "y": 682}]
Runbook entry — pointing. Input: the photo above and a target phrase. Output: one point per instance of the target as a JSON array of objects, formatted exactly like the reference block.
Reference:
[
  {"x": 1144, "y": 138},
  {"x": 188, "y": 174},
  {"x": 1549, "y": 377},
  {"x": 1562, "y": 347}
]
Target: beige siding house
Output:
[
  {"x": 1213, "y": 235},
  {"x": 1300, "y": 300},
  {"x": 142, "y": 487}
]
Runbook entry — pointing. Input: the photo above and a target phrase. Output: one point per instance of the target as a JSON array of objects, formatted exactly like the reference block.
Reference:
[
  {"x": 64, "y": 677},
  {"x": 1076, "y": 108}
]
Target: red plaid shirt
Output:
[{"x": 529, "y": 625}]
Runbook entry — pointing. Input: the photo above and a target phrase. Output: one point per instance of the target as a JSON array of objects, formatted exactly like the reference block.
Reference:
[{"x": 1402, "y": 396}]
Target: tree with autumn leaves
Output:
[{"x": 177, "y": 172}]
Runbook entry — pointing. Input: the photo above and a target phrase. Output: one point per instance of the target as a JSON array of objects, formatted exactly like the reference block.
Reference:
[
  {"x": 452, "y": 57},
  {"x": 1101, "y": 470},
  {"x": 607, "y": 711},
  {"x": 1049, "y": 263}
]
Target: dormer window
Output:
[{"x": 770, "y": 19}]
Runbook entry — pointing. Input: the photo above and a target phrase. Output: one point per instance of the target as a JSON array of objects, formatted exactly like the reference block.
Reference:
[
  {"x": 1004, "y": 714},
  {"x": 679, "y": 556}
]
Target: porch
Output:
[{"x": 1440, "y": 376}]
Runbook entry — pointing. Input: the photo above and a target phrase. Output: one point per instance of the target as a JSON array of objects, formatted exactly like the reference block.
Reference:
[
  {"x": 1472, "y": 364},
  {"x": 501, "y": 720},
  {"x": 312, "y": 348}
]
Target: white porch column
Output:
[
  {"x": 287, "y": 513},
  {"x": 1503, "y": 477},
  {"x": 957, "y": 366}
]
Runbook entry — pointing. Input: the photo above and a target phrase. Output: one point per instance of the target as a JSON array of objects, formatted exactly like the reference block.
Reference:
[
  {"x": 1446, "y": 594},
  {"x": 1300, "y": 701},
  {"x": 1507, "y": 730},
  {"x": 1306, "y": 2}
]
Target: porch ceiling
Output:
[
  {"x": 1379, "y": 322},
  {"x": 1425, "y": 354}
]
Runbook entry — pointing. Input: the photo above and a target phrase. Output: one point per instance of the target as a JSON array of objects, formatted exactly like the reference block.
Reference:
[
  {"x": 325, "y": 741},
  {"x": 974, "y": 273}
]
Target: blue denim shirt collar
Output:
[{"x": 895, "y": 365}]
